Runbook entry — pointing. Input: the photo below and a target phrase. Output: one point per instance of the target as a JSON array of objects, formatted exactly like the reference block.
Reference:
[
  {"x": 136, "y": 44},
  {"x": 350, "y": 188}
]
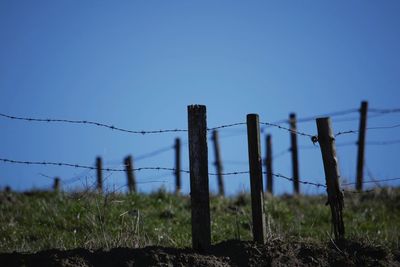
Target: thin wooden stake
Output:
[
  {"x": 177, "y": 165},
  {"x": 198, "y": 161},
  {"x": 361, "y": 145},
  {"x": 256, "y": 182},
  {"x": 335, "y": 197},
  {"x": 99, "y": 166},
  {"x": 56, "y": 186},
  {"x": 268, "y": 164},
  {"x": 130, "y": 175},
  {"x": 218, "y": 163},
  {"x": 295, "y": 158}
]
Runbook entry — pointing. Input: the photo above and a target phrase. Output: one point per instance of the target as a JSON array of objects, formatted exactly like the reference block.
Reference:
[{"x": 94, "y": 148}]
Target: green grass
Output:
[{"x": 46, "y": 220}]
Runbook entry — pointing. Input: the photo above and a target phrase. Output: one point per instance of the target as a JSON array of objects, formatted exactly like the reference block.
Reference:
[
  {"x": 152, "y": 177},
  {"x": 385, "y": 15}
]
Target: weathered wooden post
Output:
[
  {"x": 361, "y": 145},
  {"x": 326, "y": 141},
  {"x": 268, "y": 164},
  {"x": 218, "y": 163},
  {"x": 56, "y": 185},
  {"x": 293, "y": 149},
  {"x": 99, "y": 167},
  {"x": 130, "y": 175},
  {"x": 198, "y": 161},
  {"x": 177, "y": 165},
  {"x": 256, "y": 182}
]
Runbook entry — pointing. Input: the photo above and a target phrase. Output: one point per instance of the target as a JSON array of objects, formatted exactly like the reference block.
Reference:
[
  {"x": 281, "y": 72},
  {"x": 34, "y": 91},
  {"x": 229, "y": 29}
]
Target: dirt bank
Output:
[{"x": 229, "y": 253}]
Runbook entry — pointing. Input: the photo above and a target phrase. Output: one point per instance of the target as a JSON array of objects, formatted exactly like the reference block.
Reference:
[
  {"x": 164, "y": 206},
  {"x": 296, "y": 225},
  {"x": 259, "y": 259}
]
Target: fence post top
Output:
[
  {"x": 196, "y": 107},
  {"x": 323, "y": 119},
  {"x": 252, "y": 115}
]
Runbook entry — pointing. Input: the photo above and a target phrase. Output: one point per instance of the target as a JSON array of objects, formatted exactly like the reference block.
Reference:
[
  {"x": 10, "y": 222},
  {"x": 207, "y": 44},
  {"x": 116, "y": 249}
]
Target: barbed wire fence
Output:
[
  {"x": 264, "y": 125},
  {"x": 335, "y": 185}
]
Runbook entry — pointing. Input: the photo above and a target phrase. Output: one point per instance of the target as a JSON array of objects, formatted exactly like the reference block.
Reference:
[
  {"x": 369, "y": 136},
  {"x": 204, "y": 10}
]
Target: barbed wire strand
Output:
[
  {"x": 286, "y": 129},
  {"x": 143, "y": 132},
  {"x": 369, "y": 128},
  {"x": 382, "y": 143},
  {"x": 278, "y": 175},
  {"x": 112, "y": 127},
  {"x": 374, "y": 181},
  {"x": 384, "y": 111},
  {"x": 281, "y": 153},
  {"x": 153, "y": 153},
  {"x": 226, "y": 126},
  {"x": 331, "y": 114},
  {"x": 81, "y": 166},
  {"x": 346, "y": 112}
]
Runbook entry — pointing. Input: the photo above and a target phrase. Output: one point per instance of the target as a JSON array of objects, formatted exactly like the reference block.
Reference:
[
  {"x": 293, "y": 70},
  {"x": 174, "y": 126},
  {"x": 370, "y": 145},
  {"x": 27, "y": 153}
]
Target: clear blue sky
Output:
[{"x": 138, "y": 64}]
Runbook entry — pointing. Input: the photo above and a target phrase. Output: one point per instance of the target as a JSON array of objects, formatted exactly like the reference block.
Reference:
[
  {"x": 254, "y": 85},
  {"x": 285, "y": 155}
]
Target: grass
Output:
[{"x": 46, "y": 220}]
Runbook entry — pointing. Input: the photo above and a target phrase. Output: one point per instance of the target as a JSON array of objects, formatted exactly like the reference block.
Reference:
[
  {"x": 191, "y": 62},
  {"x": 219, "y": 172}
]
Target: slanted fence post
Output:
[
  {"x": 99, "y": 167},
  {"x": 361, "y": 145},
  {"x": 56, "y": 185},
  {"x": 326, "y": 141},
  {"x": 130, "y": 175},
  {"x": 199, "y": 188},
  {"x": 218, "y": 163},
  {"x": 268, "y": 164},
  {"x": 256, "y": 178},
  {"x": 293, "y": 149},
  {"x": 178, "y": 185}
]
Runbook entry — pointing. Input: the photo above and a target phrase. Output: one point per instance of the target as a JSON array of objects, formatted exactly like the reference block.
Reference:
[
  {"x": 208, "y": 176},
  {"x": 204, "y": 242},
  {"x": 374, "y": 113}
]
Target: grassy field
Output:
[{"x": 35, "y": 221}]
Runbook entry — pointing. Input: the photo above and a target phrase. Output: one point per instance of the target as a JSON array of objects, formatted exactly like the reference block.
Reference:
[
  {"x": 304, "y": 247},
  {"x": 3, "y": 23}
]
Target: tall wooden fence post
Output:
[
  {"x": 56, "y": 186},
  {"x": 199, "y": 189},
  {"x": 177, "y": 165},
  {"x": 99, "y": 167},
  {"x": 361, "y": 145},
  {"x": 326, "y": 141},
  {"x": 268, "y": 164},
  {"x": 130, "y": 175},
  {"x": 218, "y": 163},
  {"x": 293, "y": 149},
  {"x": 256, "y": 179}
]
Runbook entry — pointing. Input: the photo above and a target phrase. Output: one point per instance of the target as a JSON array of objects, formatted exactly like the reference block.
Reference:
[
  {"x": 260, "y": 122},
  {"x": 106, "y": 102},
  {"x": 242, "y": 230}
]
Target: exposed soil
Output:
[{"x": 228, "y": 253}]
